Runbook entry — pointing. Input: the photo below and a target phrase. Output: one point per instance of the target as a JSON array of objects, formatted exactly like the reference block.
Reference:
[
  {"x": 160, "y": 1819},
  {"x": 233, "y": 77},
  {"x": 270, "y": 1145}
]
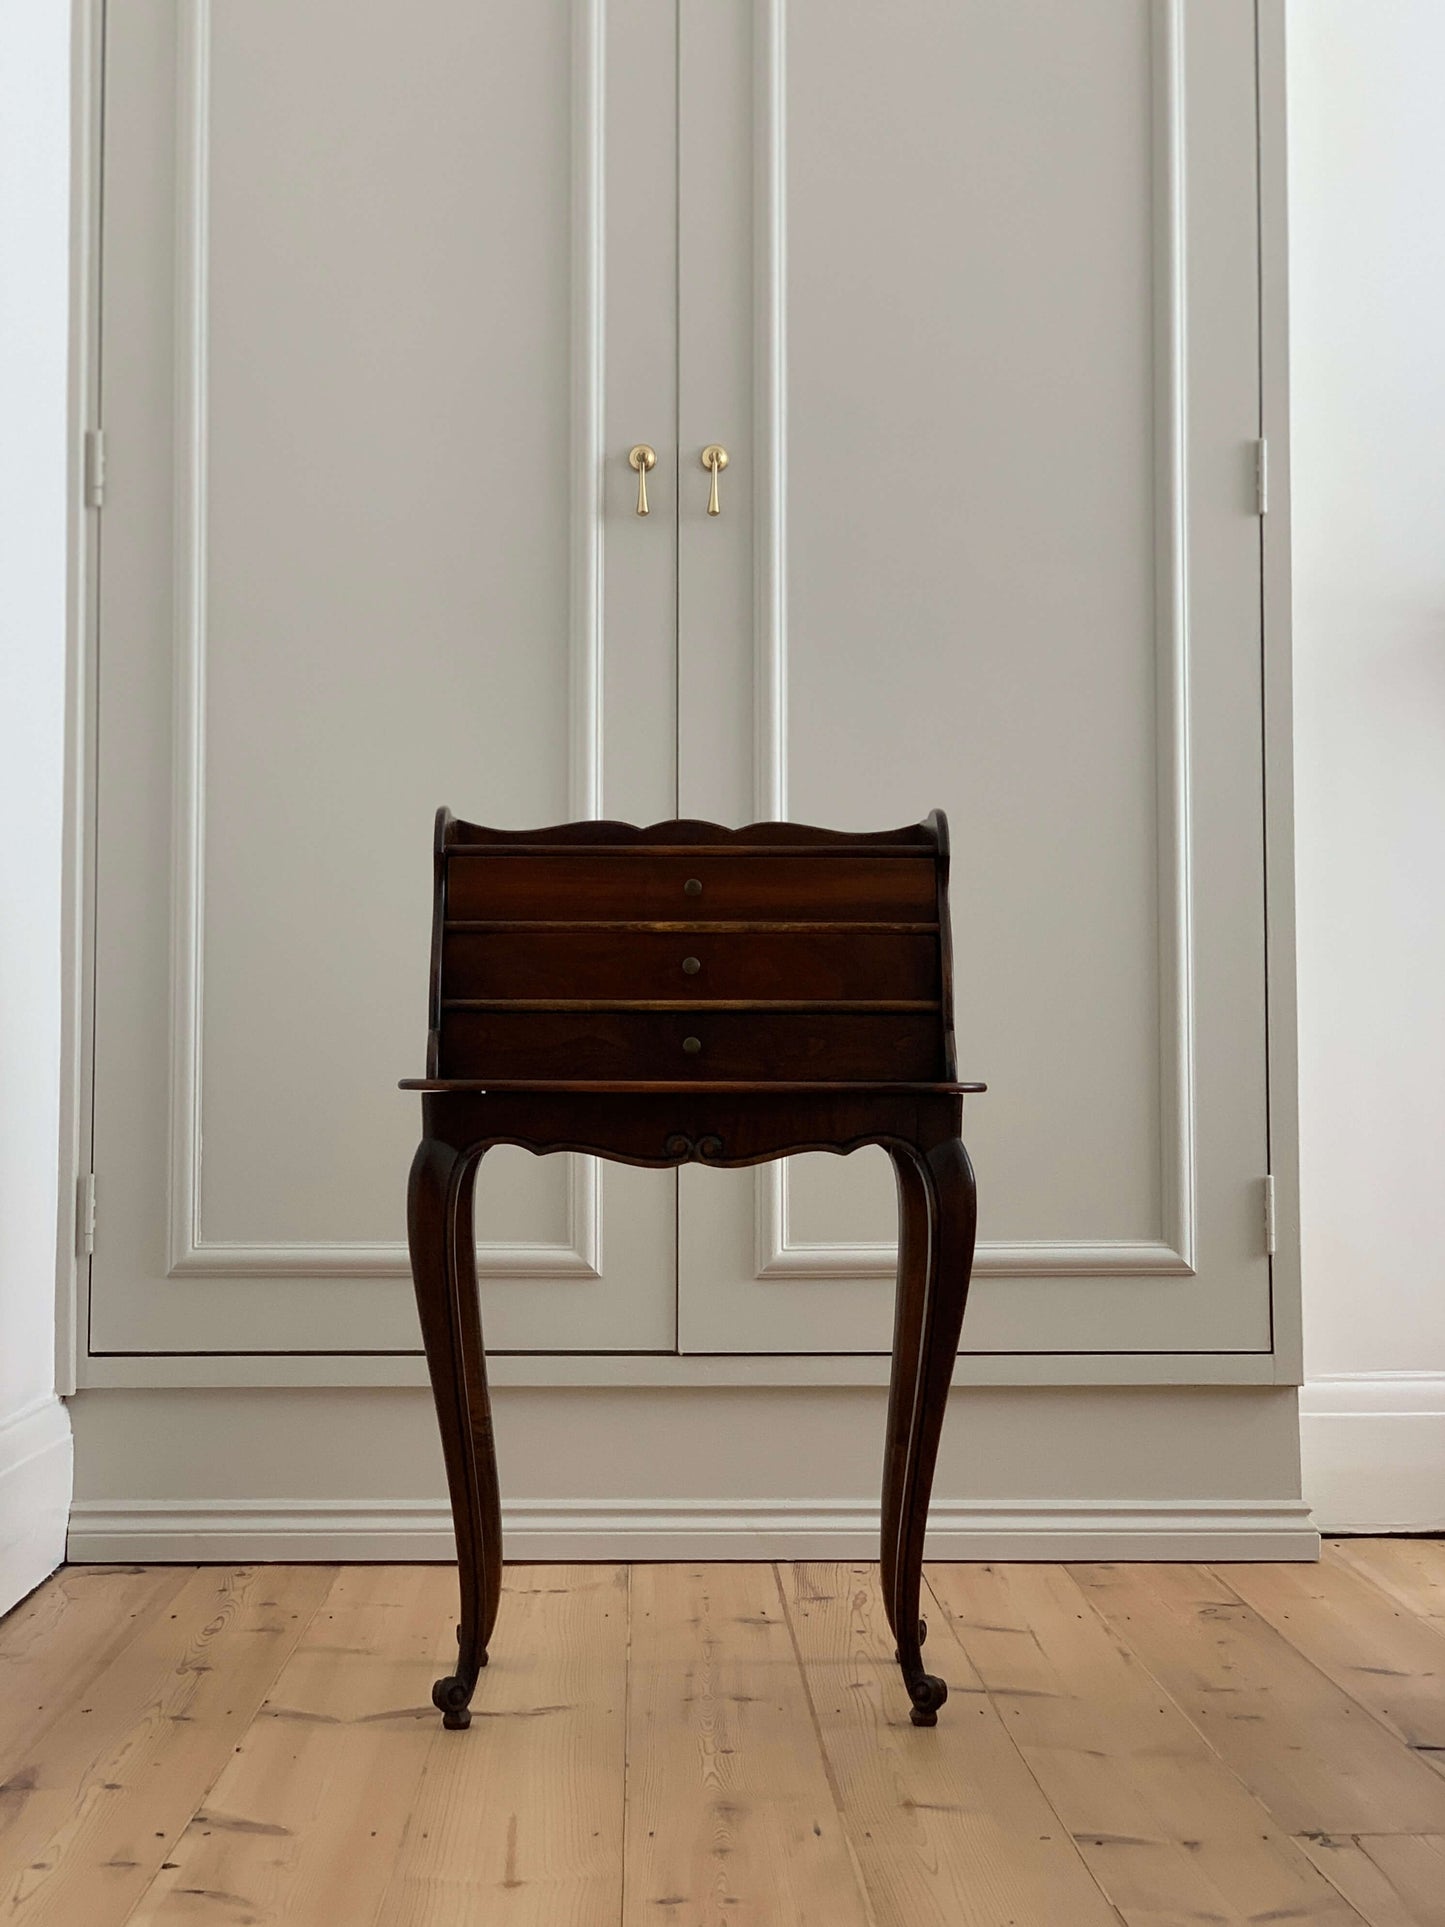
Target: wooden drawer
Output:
[
  {"x": 633, "y": 887},
  {"x": 651, "y": 963},
  {"x": 731, "y": 1044}
]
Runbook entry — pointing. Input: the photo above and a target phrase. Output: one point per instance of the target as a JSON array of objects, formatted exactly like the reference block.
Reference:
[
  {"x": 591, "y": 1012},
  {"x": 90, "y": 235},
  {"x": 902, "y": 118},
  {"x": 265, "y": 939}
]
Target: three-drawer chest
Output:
[{"x": 675, "y": 993}]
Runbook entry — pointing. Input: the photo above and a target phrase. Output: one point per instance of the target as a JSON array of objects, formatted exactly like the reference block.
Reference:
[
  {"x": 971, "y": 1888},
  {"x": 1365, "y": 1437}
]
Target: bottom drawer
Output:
[{"x": 700, "y": 1043}]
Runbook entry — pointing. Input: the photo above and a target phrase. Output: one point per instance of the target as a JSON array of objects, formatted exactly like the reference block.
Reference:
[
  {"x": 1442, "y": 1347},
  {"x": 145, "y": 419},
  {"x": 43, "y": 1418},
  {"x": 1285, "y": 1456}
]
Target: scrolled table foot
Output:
[
  {"x": 928, "y": 1692},
  {"x": 452, "y": 1698}
]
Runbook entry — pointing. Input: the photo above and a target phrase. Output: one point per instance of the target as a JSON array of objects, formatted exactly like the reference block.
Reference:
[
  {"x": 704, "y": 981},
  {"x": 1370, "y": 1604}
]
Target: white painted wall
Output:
[
  {"x": 1367, "y": 167},
  {"x": 1367, "y": 150},
  {"x": 34, "y": 302}
]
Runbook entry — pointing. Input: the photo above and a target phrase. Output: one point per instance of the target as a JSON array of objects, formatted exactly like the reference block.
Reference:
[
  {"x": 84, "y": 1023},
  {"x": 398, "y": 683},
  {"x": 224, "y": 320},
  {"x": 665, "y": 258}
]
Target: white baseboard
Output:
[
  {"x": 1372, "y": 1448},
  {"x": 35, "y": 1479},
  {"x": 420, "y": 1529}
]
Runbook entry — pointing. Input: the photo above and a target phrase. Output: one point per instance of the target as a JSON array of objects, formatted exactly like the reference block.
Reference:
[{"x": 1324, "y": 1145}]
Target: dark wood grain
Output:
[
  {"x": 444, "y": 1272},
  {"x": 730, "y": 1044},
  {"x": 603, "y": 962},
  {"x": 681, "y": 993},
  {"x": 603, "y": 836},
  {"x": 628, "y": 884},
  {"x": 938, "y": 1213}
]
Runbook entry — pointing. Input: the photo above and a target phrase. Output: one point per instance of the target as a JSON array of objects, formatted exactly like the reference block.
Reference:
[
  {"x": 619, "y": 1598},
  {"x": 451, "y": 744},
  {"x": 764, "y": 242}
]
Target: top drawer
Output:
[{"x": 629, "y": 887}]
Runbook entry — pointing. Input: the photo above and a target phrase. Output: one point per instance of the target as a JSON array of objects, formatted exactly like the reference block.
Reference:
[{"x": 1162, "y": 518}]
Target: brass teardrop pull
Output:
[
  {"x": 639, "y": 460},
  {"x": 715, "y": 458}
]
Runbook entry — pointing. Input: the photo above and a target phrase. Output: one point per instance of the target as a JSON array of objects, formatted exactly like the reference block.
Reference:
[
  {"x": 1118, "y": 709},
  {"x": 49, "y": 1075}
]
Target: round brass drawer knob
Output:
[
  {"x": 693, "y": 887},
  {"x": 692, "y": 1045},
  {"x": 690, "y": 966}
]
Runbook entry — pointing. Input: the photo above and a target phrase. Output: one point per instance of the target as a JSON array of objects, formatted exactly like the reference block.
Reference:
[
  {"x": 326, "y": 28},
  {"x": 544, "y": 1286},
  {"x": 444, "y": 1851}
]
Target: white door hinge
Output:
[
  {"x": 1261, "y": 477},
  {"x": 94, "y": 467},
  {"x": 1269, "y": 1234},
  {"x": 85, "y": 1215}
]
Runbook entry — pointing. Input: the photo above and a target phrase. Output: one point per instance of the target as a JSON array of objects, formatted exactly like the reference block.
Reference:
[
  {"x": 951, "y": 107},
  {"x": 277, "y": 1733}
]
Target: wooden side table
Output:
[{"x": 684, "y": 993}]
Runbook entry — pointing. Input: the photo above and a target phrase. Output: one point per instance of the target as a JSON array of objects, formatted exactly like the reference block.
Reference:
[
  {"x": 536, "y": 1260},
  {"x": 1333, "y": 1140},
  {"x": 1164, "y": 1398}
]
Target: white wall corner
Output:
[
  {"x": 35, "y": 159},
  {"x": 1367, "y": 422},
  {"x": 1372, "y": 1447},
  {"x": 35, "y": 1471}
]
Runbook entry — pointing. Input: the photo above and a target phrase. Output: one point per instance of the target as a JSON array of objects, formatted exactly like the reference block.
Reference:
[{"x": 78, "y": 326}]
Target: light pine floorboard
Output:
[
  {"x": 1391, "y": 1879},
  {"x": 1390, "y": 1661},
  {"x": 1410, "y": 1571},
  {"x": 307, "y": 1816},
  {"x": 104, "y": 1792},
  {"x": 948, "y": 1824},
  {"x": 519, "y": 1820},
  {"x": 1166, "y": 1828},
  {"x": 730, "y": 1812},
  {"x": 54, "y": 1643},
  {"x": 1314, "y": 1756},
  {"x": 722, "y": 1746}
]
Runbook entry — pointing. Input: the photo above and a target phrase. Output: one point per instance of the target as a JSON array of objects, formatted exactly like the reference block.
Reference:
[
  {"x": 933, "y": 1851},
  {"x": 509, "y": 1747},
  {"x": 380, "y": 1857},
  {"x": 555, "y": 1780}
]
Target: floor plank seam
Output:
[
  {"x": 1392, "y": 1599},
  {"x": 1044, "y": 1794},
  {"x": 172, "y": 1846},
  {"x": 859, "y": 1879},
  {"x": 1328, "y": 1878},
  {"x": 1375, "y": 1718},
  {"x": 1276, "y": 1824},
  {"x": 626, "y": 1754}
]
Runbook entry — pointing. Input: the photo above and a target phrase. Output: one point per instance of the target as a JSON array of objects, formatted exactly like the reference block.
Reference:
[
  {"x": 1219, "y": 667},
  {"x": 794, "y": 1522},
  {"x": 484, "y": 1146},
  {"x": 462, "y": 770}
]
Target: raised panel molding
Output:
[
  {"x": 779, "y": 1255},
  {"x": 1172, "y": 1255},
  {"x": 191, "y": 1254}
]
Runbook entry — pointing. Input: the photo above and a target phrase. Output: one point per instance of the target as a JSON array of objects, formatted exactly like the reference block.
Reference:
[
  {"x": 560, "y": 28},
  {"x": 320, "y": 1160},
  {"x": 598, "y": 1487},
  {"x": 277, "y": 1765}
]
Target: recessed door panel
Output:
[
  {"x": 365, "y": 550},
  {"x": 994, "y": 490}
]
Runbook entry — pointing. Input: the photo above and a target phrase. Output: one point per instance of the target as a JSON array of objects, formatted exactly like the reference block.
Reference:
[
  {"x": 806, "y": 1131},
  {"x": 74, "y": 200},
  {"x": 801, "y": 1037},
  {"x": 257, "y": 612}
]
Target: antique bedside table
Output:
[{"x": 680, "y": 993}]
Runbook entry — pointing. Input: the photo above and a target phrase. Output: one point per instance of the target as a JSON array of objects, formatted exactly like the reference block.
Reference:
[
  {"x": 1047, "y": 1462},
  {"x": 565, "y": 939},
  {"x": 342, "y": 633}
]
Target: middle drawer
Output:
[{"x": 702, "y": 964}]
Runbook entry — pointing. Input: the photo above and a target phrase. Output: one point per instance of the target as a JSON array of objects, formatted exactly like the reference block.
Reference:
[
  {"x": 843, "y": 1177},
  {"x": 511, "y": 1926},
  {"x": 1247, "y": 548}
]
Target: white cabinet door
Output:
[
  {"x": 387, "y": 294},
  {"x": 969, "y": 291},
  {"x": 978, "y": 322}
]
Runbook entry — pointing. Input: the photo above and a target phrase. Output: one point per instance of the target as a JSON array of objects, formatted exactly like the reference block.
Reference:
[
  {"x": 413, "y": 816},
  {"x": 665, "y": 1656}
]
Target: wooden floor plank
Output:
[
  {"x": 1393, "y": 1880},
  {"x": 304, "y": 1823},
  {"x": 1379, "y": 1652},
  {"x": 110, "y": 1786},
  {"x": 1411, "y": 1571},
  {"x": 730, "y": 1816},
  {"x": 1168, "y": 1831},
  {"x": 517, "y": 1822},
  {"x": 55, "y": 1643},
  {"x": 949, "y": 1826},
  {"x": 1310, "y": 1752},
  {"x": 1156, "y": 1745}
]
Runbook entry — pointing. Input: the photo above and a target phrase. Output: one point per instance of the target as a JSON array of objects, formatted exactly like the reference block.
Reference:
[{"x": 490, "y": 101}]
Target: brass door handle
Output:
[
  {"x": 639, "y": 460},
  {"x": 714, "y": 457}
]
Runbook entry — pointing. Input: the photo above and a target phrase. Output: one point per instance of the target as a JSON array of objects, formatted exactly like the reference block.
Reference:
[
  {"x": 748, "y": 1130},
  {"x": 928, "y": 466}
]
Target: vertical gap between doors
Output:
[
  {"x": 1262, "y": 319},
  {"x": 677, "y": 568}
]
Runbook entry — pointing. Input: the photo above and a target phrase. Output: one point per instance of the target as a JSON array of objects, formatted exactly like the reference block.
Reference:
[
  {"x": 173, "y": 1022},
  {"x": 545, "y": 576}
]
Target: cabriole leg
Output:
[
  {"x": 937, "y": 1216},
  {"x": 914, "y": 1214},
  {"x": 444, "y": 1271}
]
